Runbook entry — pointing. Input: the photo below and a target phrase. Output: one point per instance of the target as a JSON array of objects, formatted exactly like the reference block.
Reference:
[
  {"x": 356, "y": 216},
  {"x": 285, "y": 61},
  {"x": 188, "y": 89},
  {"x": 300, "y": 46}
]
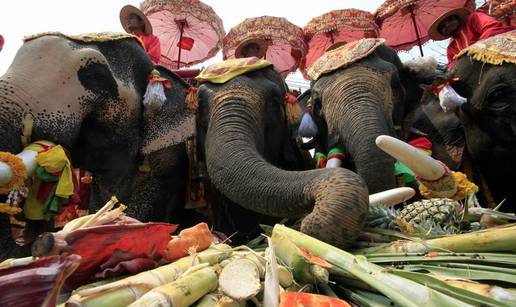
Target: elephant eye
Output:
[{"x": 498, "y": 98}]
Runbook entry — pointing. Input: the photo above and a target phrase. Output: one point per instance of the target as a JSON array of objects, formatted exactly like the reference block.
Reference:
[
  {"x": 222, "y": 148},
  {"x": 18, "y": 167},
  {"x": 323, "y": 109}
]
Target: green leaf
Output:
[
  {"x": 458, "y": 293},
  {"x": 466, "y": 273}
]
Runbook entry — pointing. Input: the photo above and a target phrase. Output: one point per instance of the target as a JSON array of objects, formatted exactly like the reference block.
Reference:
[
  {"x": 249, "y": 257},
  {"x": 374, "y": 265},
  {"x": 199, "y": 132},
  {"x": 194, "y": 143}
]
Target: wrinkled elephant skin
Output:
[
  {"x": 246, "y": 141},
  {"x": 87, "y": 97},
  {"x": 489, "y": 120}
]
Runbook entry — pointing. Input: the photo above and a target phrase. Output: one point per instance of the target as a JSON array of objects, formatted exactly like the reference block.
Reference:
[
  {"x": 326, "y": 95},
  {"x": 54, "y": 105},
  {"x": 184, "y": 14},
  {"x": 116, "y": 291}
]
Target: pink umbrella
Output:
[
  {"x": 1, "y": 42},
  {"x": 404, "y": 23},
  {"x": 285, "y": 45},
  {"x": 333, "y": 28},
  {"x": 189, "y": 30}
]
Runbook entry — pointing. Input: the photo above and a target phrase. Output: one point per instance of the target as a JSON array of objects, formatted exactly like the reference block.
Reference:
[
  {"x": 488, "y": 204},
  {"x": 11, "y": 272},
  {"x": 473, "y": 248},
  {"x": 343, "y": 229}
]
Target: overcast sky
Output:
[{"x": 19, "y": 18}]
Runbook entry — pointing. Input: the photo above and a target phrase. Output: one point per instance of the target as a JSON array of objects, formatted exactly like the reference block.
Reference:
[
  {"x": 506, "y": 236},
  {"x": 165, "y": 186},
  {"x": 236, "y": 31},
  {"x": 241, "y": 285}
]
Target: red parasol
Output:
[
  {"x": 189, "y": 30},
  {"x": 404, "y": 23},
  {"x": 500, "y": 9},
  {"x": 339, "y": 26},
  {"x": 285, "y": 45},
  {"x": 1, "y": 42}
]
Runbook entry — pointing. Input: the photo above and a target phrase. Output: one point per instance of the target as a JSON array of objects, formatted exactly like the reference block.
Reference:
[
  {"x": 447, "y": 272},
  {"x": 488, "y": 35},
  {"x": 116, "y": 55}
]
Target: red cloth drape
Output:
[
  {"x": 152, "y": 46},
  {"x": 478, "y": 26}
]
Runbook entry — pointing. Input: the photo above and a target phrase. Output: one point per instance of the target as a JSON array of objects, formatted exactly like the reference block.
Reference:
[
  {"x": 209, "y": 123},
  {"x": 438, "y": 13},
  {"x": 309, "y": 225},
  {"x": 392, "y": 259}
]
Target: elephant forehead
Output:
[
  {"x": 494, "y": 50},
  {"x": 343, "y": 56}
]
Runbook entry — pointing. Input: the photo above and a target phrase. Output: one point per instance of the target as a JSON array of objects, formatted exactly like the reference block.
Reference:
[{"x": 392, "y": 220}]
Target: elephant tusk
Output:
[
  {"x": 391, "y": 197},
  {"x": 28, "y": 157},
  {"x": 421, "y": 164}
]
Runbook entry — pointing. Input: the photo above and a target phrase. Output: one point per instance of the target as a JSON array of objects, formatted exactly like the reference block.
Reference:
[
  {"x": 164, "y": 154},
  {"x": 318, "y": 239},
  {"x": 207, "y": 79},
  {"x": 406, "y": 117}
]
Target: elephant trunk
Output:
[
  {"x": 357, "y": 108},
  {"x": 335, "y": 200}
]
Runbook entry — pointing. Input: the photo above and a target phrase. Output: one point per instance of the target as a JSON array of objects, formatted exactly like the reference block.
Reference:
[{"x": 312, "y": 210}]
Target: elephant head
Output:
[
  {"x": 244, "y": 130},
  {"x": 85, "y": 93},
  {"x": 362, "y": 90},
  {"x": 487, "y": 78}
]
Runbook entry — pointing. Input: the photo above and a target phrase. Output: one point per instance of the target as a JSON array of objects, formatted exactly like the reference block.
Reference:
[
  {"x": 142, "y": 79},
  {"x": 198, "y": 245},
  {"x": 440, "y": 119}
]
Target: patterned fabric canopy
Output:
[
  {"x": 339, "y": 26},
  {"x": 501, "y": 9},
  {"x": 343, "y": 56},
  {"x": 189, "y": 31},
  {"x": 494, "y": 50},
  {"x": 405, "y": 23},
  {"x": 285, "y": 43}
]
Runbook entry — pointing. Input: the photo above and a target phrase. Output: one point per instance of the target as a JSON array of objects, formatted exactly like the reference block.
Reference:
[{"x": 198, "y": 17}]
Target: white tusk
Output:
[
  {"x": 29, "y": 159},
  {"x": 421, "y": 164},
  {"x": 391, "y": 197}
]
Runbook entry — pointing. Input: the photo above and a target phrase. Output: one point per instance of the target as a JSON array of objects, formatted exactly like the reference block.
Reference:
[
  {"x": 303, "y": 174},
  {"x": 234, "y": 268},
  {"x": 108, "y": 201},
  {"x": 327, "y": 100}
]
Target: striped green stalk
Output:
[
  {"x": 496, "y": 239},
  {"x": 182, "y": 292},
  {"x": 490, "y": 259},
  {"x": 401, "y": 291},
  {"x": 125, "y": 291},
  {"x": 468, "y": 271}
]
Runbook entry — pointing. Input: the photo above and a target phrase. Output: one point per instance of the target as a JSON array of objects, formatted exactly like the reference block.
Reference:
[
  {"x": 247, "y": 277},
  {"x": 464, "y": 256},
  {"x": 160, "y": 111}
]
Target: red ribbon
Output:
[{"x": 439, "y": 87}]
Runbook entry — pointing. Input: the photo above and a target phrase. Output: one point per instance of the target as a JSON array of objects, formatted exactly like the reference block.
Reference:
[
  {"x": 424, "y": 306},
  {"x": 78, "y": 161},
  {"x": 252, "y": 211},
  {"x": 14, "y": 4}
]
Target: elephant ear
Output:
[{"x": 171, "y": 124}]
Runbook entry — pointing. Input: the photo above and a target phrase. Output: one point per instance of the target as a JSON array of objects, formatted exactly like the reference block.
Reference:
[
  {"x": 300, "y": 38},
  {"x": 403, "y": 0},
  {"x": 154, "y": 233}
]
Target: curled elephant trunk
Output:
[
  {"x": 358, "y": 109},
  {"x": 332, "y": 201}
]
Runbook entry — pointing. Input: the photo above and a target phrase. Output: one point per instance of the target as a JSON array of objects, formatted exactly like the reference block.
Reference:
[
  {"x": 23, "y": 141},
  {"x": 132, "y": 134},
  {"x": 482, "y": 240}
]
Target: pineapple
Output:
[
  {"x": 442, "y": 215},
  {"x": 436, "y": 216},
  {"x": 380, "y": 216}
]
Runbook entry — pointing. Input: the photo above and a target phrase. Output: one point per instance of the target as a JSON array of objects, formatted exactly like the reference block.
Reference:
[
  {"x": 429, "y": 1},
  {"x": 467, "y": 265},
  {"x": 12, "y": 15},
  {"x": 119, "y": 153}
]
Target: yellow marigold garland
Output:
[
  {"x": 18, "y": 170},
  {"x": 464, "y": 187},
  {"x": 8, "y": 209}
]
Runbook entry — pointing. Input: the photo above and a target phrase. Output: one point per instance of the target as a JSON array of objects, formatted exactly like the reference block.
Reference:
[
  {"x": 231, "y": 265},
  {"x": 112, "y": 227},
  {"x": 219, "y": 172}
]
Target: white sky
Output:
[{"x": 19, "y": 18}]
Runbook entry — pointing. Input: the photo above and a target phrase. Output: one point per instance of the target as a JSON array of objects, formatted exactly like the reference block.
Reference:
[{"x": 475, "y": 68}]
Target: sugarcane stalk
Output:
[
  {"x": 209, "y": 300},
  {"x": 401, "y": 291},
  {"x": 125, "y": 291},
  {"x": 182, "y": 292},
  {"x": 303, "y": 270},
  {"x": 240, "y": 279},
  {"x": 496, "y": 239}
]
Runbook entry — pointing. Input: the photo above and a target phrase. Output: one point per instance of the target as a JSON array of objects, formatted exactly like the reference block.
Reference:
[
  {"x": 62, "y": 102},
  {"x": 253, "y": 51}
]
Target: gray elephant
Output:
[
  {"x": 249, "y": 151},
  {"x": 360, "y": 91},
  {"x": 85, "y": 93},
  {"x": 487, "y": 78}
]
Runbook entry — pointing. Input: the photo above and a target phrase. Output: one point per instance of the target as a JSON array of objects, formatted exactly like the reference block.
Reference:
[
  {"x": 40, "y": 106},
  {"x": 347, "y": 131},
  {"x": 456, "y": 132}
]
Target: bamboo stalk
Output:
[
  {"x": 401, "y": 291},
  {"x": 496, "y": 239},
  {"x": 182, "y": 292},
  {"x": 302, "y": 269},
  {"x": 125, "y": 291}
]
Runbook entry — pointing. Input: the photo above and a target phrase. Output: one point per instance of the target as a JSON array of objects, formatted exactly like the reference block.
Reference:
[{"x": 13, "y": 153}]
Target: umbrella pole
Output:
[
  {"x": 181, "y": 30},
  {"x": 417, "y": 30}
]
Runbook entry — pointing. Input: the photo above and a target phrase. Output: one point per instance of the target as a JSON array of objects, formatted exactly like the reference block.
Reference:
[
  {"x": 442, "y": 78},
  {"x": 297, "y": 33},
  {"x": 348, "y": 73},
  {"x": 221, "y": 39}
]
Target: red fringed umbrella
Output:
[
  {"x": 285, "y": 43},
  {"x": 404, "y": 23},
  {"x": 189, "y": 30},
  {"x": 501, "y": 9},
  {"x": 334, "y": 28}
]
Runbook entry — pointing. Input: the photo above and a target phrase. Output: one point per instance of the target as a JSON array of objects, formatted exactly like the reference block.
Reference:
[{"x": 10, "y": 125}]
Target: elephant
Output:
[
  {"x": 354, "y": 103},
  {"x": 85, "y": 93},
  {"x": 489, "y": 115},
  {"x": 250, "y": 155}
]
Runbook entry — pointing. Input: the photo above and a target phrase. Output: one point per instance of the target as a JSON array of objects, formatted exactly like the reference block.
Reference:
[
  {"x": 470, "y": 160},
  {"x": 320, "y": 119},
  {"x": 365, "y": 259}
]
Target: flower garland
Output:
[{"x": 18, "y": 171}]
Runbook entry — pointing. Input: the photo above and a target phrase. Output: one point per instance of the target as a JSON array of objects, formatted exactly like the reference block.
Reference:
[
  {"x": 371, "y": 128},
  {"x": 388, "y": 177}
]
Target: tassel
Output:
[
  {"x": 192, "y": 104},
  {"x": 320, "y": 160},
  {"x": 154, "y": 97},
  {"x": 335, "y": 158},
  {"x": 307, "y": 127},
  {"x": 292, "y": 109}
]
